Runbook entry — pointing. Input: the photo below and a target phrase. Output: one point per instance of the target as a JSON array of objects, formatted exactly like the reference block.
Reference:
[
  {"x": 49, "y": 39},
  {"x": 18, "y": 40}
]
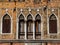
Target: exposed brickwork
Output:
[{"x": 14, "y": 12}]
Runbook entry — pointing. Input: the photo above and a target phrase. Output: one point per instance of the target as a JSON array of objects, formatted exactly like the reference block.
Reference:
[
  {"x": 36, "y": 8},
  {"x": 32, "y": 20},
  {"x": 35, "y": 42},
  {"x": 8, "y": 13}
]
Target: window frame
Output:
[
  {"x": 31, "y": 20},
  {"x": 40, "y": 23},
  {"x": 22, "y": 20},
  {"x": 2, "y": 24},
  {"x": 48, "y": 24}
]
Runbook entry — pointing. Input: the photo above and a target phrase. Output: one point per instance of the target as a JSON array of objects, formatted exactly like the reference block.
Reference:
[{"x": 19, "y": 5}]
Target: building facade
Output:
[{"x": 29, "y": 20}]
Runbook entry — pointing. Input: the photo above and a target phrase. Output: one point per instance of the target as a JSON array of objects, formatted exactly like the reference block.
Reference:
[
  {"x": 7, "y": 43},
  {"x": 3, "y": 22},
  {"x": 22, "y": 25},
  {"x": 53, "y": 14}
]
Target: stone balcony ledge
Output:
[{"x": 29, "y": 41}]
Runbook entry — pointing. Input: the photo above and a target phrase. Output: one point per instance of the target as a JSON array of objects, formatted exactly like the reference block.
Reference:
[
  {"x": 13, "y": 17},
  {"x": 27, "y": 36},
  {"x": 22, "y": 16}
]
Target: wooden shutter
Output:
[
  {"x": 53, "y": 26},
  {"x": 6, "y": 27}
]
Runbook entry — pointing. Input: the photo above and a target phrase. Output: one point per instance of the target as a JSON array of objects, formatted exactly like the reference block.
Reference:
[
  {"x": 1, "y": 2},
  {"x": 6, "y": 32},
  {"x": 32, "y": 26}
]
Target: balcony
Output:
[{"x": 30, "y": 41}]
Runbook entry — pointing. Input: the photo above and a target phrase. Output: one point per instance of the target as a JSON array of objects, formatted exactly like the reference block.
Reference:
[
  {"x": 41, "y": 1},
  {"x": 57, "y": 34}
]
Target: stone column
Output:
[
  {"x": 25, "y": 30},
  {"x": 33, "y": 30}
]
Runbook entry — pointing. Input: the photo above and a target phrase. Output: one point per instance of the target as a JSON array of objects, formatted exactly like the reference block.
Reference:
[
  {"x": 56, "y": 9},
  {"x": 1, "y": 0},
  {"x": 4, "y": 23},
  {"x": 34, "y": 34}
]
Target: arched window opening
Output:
[
  {"x": 37, "y": 26},
  {"x": 21, "y": 32},
  {"x": 52, "y": 24},
  {"x": 29, "y": 27},
  {"x": 6, "y": 24}
]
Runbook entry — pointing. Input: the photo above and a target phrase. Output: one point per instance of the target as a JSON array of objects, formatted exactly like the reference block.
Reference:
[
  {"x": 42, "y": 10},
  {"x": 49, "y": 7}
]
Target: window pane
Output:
[
  {"x": 29, "y": 27},
  {"x": 6, "y": 27},
  {"x": 37, "y": 26},
  {"x": 29, "y": 23},
  {"x": 37, "y": 23},
  {"x": 52, "y": 24},
  {"x": 21, "y": 32},
  {"x": 21, "y": 26}
]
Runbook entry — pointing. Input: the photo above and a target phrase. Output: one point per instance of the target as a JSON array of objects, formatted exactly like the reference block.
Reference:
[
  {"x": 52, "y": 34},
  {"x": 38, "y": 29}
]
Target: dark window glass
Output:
[
  {"x": 21, "y": 27},
  {"x": 52, "y": 24},
  {"x": 29, "y": 27},
  {"x": 6, "y": 26},
  {"x": 37, "y": 26}
]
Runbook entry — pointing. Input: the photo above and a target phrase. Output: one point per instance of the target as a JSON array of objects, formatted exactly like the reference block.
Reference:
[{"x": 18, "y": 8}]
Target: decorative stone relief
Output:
[{"x": 53, "y": 36}]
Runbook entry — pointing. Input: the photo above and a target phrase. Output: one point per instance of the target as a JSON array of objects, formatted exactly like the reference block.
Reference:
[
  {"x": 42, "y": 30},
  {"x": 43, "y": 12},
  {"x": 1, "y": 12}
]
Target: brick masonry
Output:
[{"x": 10, "y": 6}]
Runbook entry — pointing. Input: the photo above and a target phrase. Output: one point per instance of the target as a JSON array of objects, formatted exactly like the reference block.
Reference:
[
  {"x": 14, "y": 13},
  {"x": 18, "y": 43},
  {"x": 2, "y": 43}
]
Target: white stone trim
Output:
[
  {"x": 16, "y": 25},
  {"x": 0, "y": 21},
  {"x": 29, "y": 9},
  {"x": 26, "y": 44},
  {"x": 33, "y": 30},
  {"x": 31, "y": 15},
  {"x": 38, "y": 10},
  {"x": 21, "y": 9},
  {"x": 6, "y": 10},
  {"x": 11, "y": 23},
  {"x": 47, "y": 24},
  {"x": 25, "y": 30},
  {"x": 58, "y": 22},
  {"x": 52, "y": 10}
]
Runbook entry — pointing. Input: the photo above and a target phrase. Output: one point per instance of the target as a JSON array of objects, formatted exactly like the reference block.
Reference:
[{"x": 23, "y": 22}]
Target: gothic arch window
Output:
[
  {"x": 52, "y": 24},
  {"x": 37, "y": 26},
  {"x": 29, "y": 27},
  {"x": 6, "y": 24},
  {"x": 21, "y": 32}
]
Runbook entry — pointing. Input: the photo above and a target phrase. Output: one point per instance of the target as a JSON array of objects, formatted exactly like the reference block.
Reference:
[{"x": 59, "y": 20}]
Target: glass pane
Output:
[
  {"x": 52, "y": 24},
  {"x": 29, "y": 27},
  {"x": 37, "y": 23},
  {"x": 21, "y": 33},
  {"x": 29, "y": 17},
  {"x": 38, "y": 27},
  {"x": 6, "y": 21},
  {"x": 52, "y": 17}
]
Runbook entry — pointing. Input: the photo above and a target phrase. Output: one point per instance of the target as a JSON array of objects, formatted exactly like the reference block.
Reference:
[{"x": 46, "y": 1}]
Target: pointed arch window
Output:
[
  {"x": 29, "y": 27},
  {"x": 37, "y": 26},
  {"x": 52, "y": 24},
  {"x": 21, "y": 32},
  {"x": 6, "y": 24}
]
